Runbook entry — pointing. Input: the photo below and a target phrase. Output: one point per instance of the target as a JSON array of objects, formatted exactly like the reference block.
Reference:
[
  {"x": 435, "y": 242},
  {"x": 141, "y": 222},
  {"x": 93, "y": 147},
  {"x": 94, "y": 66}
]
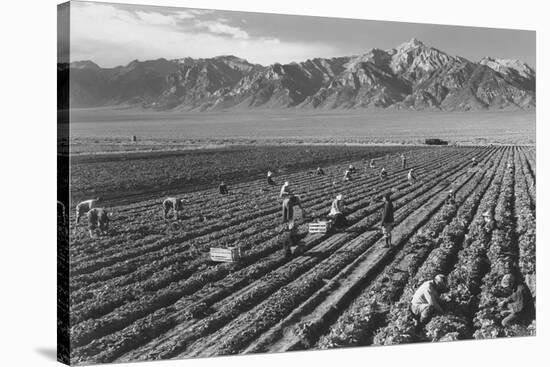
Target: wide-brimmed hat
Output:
[
  {"x": 339, "y": 197},
  {"x": 441, "y": 280},
  {"x": 507, "y": 280},
  {"x": 286, "y": 183}
]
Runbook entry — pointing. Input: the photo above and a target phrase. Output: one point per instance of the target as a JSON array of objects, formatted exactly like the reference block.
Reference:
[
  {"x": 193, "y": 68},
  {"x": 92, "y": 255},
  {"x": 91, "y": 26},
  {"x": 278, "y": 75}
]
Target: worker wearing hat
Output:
[
  {"x": 519, "y": 306},
  {"x": 451, "y": 197},
  {"x": 337, "y": 211},
  {"x": 426, "y": 300}
]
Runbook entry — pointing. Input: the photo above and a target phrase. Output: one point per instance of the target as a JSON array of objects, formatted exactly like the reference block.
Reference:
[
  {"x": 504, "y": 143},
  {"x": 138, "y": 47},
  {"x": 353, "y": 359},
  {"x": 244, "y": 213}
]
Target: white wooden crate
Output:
[
  {"x": 319, "y": 227},
  {"x": 229, "y": 254}
]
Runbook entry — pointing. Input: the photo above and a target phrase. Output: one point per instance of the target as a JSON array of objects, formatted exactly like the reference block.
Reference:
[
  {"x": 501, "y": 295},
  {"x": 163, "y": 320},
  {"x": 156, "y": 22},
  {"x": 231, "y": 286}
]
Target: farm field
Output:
[
  {"x": 149, "y": 291},
  {"x": 122, "y": 177}
]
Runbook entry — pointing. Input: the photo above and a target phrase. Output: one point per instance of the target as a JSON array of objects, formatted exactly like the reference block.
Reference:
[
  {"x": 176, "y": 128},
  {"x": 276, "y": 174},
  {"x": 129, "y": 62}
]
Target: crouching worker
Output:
[
  {"x": 291, "y": 238},
  {"x": 336, "y": 213},
  {"x": 288, "y": 207},
  {"x": 98, "y": 220},
  {"x": 451, "y": 197},
  {"x": 84, "y": 207},
  {"x": 320, "y": 171},
  {"x": 270, "y": 178},
  {"x": 173, "y": 204},
  {"x": 426, "y": 302},
  {"x": 519, "y": 306},
  {"x": 347, "y": 175},
  {"x": 383, "y": 174},
  {"x": 223, "y": 188}
]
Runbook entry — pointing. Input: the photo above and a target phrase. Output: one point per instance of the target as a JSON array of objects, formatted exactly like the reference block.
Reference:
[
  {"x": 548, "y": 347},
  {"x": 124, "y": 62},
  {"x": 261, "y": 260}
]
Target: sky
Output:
[{"x": 115, "y": 34}]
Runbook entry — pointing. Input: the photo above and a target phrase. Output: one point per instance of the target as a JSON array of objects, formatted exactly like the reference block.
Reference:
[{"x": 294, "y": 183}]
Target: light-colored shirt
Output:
[
  {"x": 86, "y": 205},
  {"x": 426, "y": 294},
  {"x": 336, "y": 207},
  {"x": 285, "y": 191}
]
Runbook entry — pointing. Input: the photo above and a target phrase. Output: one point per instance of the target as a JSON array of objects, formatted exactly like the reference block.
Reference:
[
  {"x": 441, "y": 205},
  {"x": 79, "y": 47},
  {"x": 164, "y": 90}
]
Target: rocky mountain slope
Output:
[{"x": 411, "y": 75}]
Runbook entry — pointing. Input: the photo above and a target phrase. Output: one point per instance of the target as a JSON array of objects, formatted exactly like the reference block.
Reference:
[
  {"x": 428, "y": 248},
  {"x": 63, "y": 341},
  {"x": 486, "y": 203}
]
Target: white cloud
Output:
[
  {"x": 111, "y": 36},
  {"x": 223, "y": 29}
]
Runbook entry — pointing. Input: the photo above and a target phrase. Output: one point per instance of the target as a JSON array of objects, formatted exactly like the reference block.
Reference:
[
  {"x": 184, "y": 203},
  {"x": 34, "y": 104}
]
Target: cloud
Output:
[
  {"x": 218, "y": 27},
  {"x": 110, "y": 35}
]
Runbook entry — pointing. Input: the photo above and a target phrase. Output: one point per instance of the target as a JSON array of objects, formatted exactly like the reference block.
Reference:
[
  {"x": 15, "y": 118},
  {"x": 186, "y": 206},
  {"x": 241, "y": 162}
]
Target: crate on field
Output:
[
  {"x": 225, "y": 254},
  {"x": 320, "y": 227}
]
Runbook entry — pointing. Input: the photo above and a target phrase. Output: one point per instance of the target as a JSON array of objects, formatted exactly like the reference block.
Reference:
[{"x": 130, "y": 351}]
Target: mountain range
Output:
[{"x": 409, "y": 76}]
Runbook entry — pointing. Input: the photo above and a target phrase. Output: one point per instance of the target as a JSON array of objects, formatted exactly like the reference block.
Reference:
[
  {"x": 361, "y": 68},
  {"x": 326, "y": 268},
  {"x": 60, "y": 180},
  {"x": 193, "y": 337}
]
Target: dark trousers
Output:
[{"x": 288, "y": 212}]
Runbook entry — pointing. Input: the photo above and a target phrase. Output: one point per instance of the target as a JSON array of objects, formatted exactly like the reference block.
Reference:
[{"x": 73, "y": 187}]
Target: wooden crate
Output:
[
  {"x": 320, "y": 227},
  {"x": 229, "y": 254}
]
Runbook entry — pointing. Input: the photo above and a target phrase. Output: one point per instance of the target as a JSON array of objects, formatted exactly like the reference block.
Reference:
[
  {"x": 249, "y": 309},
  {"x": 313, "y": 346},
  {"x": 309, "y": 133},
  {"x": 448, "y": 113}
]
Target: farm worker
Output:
[
  {"x": 387, "y": 219},
  {"x": 288, "y": 207},
  {"x": 403, "y": 161},
  {"x": 352, "y": 169},
  {"x": 84, "y": 206},
  {"x": 371, "y": 164},
  {"x": 474, "y": 162},
  {"x": 490, "y": 223},
  {"x": 337, "y": 211},
  {"x": 285, "y": 190},
  {"x": 347, "y": 175},
  {"x": 411, "y": 177},
  {"x": 174, "y": 204},
  {"x": 519, "y": 305},
  {"x": 320, "y": 171},
  {"x": 290, "y": 238},
  {"x": 270, "y": 178},
  {"x": 426, "y": 301},
  {"x": 223, "y": 188},
  {"x": 451, "y": 197},
  {"x": 383, "y": 174},
  {"x": 98, "y": 219}
]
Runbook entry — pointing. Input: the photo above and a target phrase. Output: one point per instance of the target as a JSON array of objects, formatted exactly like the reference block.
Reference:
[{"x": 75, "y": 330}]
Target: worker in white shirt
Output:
[
  {"x": 336, "y": 211},
  {"x": 411, "y": 177},
  {"x": 85, "y": 206},
  {"x": 285, "y": 190},
  {"x": 426, "y": 302}
]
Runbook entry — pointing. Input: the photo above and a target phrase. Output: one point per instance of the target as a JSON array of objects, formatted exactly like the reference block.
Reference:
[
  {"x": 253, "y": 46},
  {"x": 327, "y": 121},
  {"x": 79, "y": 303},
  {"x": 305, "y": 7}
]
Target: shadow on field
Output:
[{"x": 48, "y": 353}]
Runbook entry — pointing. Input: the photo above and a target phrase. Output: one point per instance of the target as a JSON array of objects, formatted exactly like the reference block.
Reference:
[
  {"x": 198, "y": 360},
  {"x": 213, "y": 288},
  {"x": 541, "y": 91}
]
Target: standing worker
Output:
[
  {"x": 285, "y": 190},
  {"x": 270, "y": 178},
  {"x": 411, "y": 177},
  {"x": 383, "y": 174},
  {"x": 403, "y": 161},
  {"x": 474, "y": 162},
  {"x": 84, "y": 206},
  {"x": 98, "y": 219},
  {"x": 426, "y": 302},
  {"x": 288, "y": 207},
  {"x": 223, "y": 188},
  {"x": 519, "y": 305},
  {"x": 387, "y": 219},
  {"x": 174, "y": 204},
  {"x": 337, "y": 211}
]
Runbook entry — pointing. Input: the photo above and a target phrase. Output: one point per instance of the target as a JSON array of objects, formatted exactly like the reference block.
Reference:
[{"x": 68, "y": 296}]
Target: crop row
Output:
[
  {"x": 401, "y": 326},
  {"x": 356, "y": 325},
  {"x": 171, "y": 257},
  {"x": 252, "y": 298}
]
